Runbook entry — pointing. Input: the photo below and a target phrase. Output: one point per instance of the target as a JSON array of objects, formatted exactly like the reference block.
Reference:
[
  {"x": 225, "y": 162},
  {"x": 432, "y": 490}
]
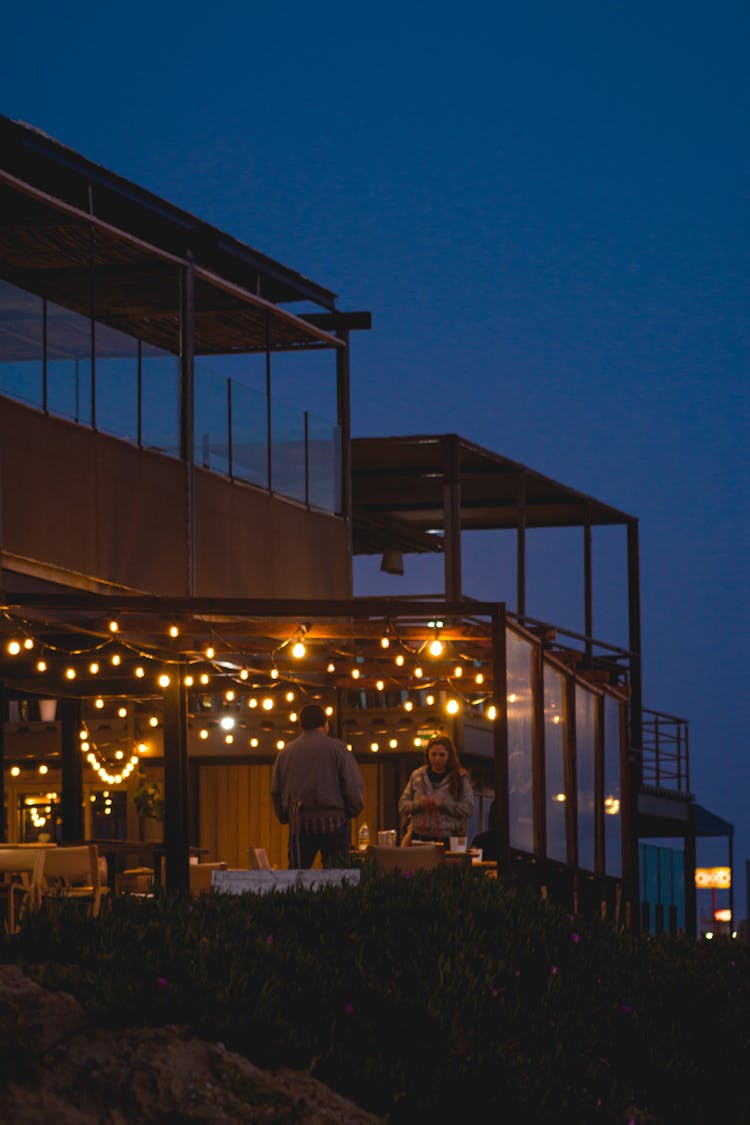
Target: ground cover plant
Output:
[{"x": 423, "y": 997}]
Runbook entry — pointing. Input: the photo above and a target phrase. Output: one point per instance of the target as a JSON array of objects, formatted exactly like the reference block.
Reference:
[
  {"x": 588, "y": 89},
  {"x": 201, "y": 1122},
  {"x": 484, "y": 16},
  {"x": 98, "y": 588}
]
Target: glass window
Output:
[
  {"x": 520, "y": 776},
  {"x": 324, "y": 463},
  {"x": 555, "y": 729},
  {"x": 68, "y": 364},
  {"x": 586, "y": 708},
  {"x": 211, "y": 419},
  {"x": 21, "y": 344},
  {"x": 39, "y": 818},
  {"x": 288, "y": 470},
  {"x": 160, "y": 400},
  {"x": 612, "y": 787},
  {"x": 249, "y": 435},
  {"x": 116, "y": 383}
]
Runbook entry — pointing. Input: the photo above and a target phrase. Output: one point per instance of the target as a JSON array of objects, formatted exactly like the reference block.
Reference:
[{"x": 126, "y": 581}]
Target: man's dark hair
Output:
[{"x": 312, "y": 716}]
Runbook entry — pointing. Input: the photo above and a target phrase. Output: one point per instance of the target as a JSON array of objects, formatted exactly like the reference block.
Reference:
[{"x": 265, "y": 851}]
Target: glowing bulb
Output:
[
  {"x": 252, "y": 702},
  {"x": 298, "y": 650},
  {"x": 458, "y": 671},
  {"x": 14, "y": 771},
  {"x": 244, "y": 673},
  {"x": 292, "y": 716},
  {"x": 355, "y": 673},
  {"x": 229, "y": 738},
  {"x": 119, "y": 755},
  {"x": 429, "y": 700},
  {"x": 210, "y": 653},
  {"x": 329, "y": 711},
  {"x": 28, "y": 643},
  {"x": 385, "y": 642},
  {"x": 253, "y": 742},
  {"x": 70, "y": 673},
  {"x": 113, "y": 627},
  {"x": 188, "y": 681},
  {"x": 83, "y": 733},
  {"x": 436, "y": 648},
  {"x": 408, "y": 706},
  {"x": 556, "y": 719},
  {"x": 41, "y": 665},
  {"x": 229, "y": 695},
  {"x": 274, "y": 673},
  {"x": 418, "y": 672},
  {"x": 122, "y": 712},
  {"x": 99, "y": 703},
  {"x": 164, "y": 680},
  {"x": 380, "y": 685},
  {"x": 331, "y": 668},
  {"x": 491, "y": 712},
  {"x": 139, "y": 672},
  {"x": 393, "y": 743},
  {"x": 280, "y": 744},
  {"x": 374, "y": 746},
  {"x": 174, "y": 631},
  {"x": 512, "y": 697},
  {"x": 203, "y": 734},
  {"x": 85, "y": 746},
  {"x": 479, "y": 678},
  {"x": 267, "y": 703},
  {"x": 226, "y": 722},
  {"x": 204, "y": 677},
  {"x": 116, "y": 659},
  {"x": 453, "y": 707},
  {"x": 44, "y": 769},
  {"x": 400, "y": 660},
  {"x": 153, "y": 721},
  {"x": 141, "y": 747},
  {"x": 93, "y": 668}
]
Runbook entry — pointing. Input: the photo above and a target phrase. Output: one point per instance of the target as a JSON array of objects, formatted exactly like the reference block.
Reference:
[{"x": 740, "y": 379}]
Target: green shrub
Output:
[{"x": 414, "y": 994}]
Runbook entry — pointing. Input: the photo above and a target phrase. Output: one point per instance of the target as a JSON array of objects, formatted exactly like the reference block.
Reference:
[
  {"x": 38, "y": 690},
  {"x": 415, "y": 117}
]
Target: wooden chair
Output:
[
  {"x": 423, "y": 857},
  {"x": 258, "y": 859},
  {"x": 200, "y": 876},
  {"x": 21, "y": 887},
  {"x": 73, "y": 872}
]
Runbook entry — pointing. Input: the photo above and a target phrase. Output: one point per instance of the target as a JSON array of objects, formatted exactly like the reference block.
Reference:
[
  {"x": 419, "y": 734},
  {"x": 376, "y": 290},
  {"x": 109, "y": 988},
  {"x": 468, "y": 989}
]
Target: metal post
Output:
[
  {"x": 4, "y": 821},
  {"x": 500, "y": 734},
  {"x": 343, "y": 413},
  {"x": 634, "y": 772},
  {"x": 187, "y": 409},
  {"x": 691, "y": 919},
  {"x": 269, "y": 420},
  {"x": 588, "y": 599},
  {"x": 72, "y": 771},
  {"x": 176, "y": 837},
  {"x": 521, "y": 546},
  {"x": 537, "y": 750},
  {"x": 452, "y": 517}
]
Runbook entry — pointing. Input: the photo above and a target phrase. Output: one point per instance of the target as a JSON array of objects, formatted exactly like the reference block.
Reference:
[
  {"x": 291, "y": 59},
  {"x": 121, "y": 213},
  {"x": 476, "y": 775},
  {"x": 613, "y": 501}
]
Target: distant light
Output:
[
  {"x": 453, "y": 707},
  {"x": 14, "y": 771},
  {"x": 331, "y": 668},
  {"x": 491, "y": 712},
  {"x": 267, "y": 703},
  {"x": 226, "y": 722},
  {"x": 93, "y": 668},
  {"x": 385, "y": 642},
  {"x": 153, "y": 721},
  {"x": 174, "y": 631},
  {"x": 203, "y": 733},
  {"x": 164, "y": 680},
  {"x": 400, "y": 659},
  {"x": 374, "y": 746},
  {"x": 298, "y": 650},
  {"x": 113, "y": 627},
  {"x": 436, "y": 648},
  {"x": 14, "y": 647}
]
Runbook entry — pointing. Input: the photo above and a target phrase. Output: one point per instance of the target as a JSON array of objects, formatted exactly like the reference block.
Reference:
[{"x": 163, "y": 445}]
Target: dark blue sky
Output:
[{"x": 545, "y": 206}]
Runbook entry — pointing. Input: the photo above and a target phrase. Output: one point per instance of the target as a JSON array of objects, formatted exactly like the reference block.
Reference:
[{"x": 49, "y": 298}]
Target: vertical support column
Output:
[
  {"x": 521, "y": 546},
  {"x": 500, "y": 733},
  {"x": 269, "y": 419},
  {"x": 72, "y": 771},
  {"x": 187, "y": 410},
  {"x": 588, "y": 599},
  {"x": 730, "y": 840},
  {"x": 452, "y": 516},
  {"x": 599, "y": 811},
  {"x": 691, "y": 909},
  {"x": 343, "y": 411},
  {"x": 176, "y": 824},
  {"x": 4, "y": 820},
  {"x": 537, "y": 750},
  {"x": 571, "y": 774},
  {"x": 633, "y": 775}
]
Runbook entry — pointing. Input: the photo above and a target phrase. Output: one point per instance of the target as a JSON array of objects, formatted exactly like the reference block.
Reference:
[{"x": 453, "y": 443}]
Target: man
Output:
[{"x": 316, "y": 788}]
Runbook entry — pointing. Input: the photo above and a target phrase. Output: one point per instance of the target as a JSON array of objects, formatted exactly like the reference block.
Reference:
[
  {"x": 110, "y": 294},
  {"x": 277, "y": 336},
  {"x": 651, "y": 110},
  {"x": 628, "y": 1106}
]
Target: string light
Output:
[
  {"x": 298, "y": 650},
  {"x": 14, "y": 647},
  {"x": 174, "y": 631}
]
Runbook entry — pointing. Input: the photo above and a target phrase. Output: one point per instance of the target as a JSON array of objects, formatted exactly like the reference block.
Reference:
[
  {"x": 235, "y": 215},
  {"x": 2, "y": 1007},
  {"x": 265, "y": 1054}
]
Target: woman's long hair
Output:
[{"x": 454, "y": 770}]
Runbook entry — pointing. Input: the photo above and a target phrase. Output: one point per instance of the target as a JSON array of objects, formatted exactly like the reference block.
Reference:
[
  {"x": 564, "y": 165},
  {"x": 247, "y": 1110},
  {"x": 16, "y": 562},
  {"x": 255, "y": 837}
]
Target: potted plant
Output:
[{"x": 149, "y": 804}]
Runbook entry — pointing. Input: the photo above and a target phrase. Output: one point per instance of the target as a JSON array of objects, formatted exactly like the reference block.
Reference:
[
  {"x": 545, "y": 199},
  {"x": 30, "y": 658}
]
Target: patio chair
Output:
[
  {"x": 423, "y": 857},
  {"x": 21, "y": 886},
  {"x": 73, "y": 872},
  {"x": 258, "y": 859}
]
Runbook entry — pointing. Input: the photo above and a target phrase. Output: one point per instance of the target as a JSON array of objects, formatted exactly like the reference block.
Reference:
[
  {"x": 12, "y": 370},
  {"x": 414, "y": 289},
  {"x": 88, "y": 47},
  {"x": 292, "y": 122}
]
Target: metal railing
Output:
[{"x": 666, "y": 757}]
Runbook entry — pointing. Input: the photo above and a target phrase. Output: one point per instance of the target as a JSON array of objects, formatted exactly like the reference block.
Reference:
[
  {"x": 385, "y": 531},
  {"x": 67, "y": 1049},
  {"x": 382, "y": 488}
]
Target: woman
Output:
[{"x": 438, "y": 796}]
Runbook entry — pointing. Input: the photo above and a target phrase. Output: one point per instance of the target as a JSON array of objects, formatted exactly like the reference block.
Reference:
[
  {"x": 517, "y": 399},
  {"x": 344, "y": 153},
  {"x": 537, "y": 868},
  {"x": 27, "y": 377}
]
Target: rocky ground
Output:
[{"x": 57, "y": 1067}]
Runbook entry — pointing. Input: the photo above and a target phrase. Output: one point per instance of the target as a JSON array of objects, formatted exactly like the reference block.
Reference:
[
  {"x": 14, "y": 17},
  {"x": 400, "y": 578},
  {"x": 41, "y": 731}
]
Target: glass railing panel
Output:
[
  {"x": 211, "y": 422},
  {"x": 288, "y": 451},
  {"x": 324, "y": 463},
  {"x": 160, "y": 400},
  {"x": 586, "y": 708},
  {"x": 249, "y": 435},
  {"x": 68, "y": 364},
  {"x": 612, "y": 786},
  {"x": 556, "y": 797},
  {"x": 21, "y": 344},
  {"x": 116, "y": 374},
  {"x": 520, "y": 773}
]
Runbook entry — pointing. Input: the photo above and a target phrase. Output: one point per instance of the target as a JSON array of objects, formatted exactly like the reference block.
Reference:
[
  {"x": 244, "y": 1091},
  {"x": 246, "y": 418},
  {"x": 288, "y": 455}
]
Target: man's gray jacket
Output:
[{"x": 317, "y": 779}]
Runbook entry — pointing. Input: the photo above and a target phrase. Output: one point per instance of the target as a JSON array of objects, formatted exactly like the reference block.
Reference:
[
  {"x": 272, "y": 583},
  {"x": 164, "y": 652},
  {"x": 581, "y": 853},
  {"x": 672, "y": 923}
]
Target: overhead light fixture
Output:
[{"x": 392, "y": 561}]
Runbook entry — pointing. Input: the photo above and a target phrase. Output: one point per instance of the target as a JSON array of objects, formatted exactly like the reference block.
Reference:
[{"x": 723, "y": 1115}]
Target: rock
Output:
[{"x": 58, "y": 1066}]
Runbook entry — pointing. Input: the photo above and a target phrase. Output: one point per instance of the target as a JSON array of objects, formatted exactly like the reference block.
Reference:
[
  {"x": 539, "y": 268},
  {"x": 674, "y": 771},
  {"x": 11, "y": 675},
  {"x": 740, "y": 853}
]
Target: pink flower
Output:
[
  {"x": 348, "y": 1009},
  {"x": 162, "y": 982},
  {"x": 575, "y": 938},
  {"x": 553, "y": 970}
]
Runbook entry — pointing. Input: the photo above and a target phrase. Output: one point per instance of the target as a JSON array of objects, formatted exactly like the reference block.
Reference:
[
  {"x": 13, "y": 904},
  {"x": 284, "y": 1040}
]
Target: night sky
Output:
[{"x": 545, "y": 207}]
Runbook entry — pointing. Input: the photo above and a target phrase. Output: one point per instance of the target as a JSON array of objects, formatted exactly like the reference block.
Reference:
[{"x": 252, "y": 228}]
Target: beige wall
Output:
[{"x": 94, "y": 507}]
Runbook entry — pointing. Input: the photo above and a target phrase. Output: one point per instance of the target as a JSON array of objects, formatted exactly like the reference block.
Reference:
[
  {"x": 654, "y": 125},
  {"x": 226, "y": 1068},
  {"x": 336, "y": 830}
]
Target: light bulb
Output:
[
  {"x": 139, "y": 672},
  {"x": 244, "y": 673},
  {"x": 331, "y": 668},
  {"x": 41, "y": 665},
  {"x": 436, "y": 648},
  {"x": 267, "y": 703},
  {"x": 385, "y": 642},
  {"x": 14, "y": 647},
  {"x": 93, "y": 668},
  {"x": 174, "y": 631},
  {"x": 298, "y": 650},
  {"x": 99, "y": 703},
  {"x": 122, "y": 712},
  {"x": 400, "y": 660},
  {"x": 374, "y": 746},
  {"x": 452, "y": 707},
  {"x": 210, "y": 653},
  {"x": 355, "y": 673},
  {"x": 113, "y": 627},
  {"x": 28, "y": 643},
  {"x": 492, "y": 712},
  {"x": 164, "y": 680},
  {"x": 203, "y": 733},
  {"x": 380, "y": 685},
  {"x": 70, "y": 673}
]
